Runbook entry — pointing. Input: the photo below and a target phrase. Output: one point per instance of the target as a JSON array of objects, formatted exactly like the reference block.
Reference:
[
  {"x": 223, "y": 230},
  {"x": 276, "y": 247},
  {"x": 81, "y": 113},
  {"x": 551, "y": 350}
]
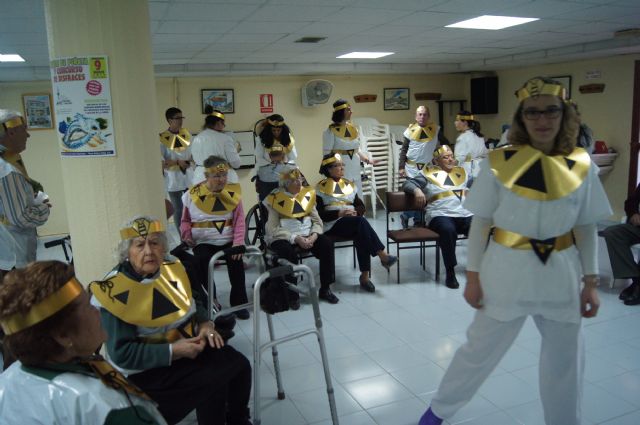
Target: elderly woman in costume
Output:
[
  {"x": 442, "y": 189},
  {"x": 160, "y": 335},
  {"x": 274, "y": 149},
  {"x": 543, "y": 197},
  {"x": 342, "y": 213},
  {"x": 213, "y": 220},
  {"x": 342, "y": 137},
  {"x": 294, "y": 222},
  {"x": 212, "y": 140},
  {"x": 470, "y": 148},
  {"x": 176, "y": 160},
  {"x": 54, "y": 331}
]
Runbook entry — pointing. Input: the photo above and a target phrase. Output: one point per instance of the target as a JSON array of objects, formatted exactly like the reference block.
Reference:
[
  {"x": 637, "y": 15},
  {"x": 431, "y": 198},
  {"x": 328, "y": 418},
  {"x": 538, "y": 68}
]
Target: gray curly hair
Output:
[{"x": 124, "y": 245}]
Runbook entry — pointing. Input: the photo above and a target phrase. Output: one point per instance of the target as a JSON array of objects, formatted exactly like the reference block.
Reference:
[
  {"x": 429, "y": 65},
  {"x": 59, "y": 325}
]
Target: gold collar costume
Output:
[
  {"x": 176, "y": 142},
  {"x": 344, "y": 131},
  {"x": 336, "y": 189},
  {"x": 530, "y": 173},
  {"x": 216, "y": 203},
  {"x": 151, "y": 304},
  {"x": 298, "y": 206},
  {"x": 422, "y": 134},
  {"x": 441, "y": 178}
]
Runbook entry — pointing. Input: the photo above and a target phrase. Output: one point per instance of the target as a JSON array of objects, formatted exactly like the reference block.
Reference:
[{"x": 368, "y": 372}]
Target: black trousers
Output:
[
  {"x": 217, "y": 384},
  {"x": 449, "y": 228},
  {"x": 235, "y": 269},
  {"x": 322, "y": 249},
  {"x": 364, "y": 237}
]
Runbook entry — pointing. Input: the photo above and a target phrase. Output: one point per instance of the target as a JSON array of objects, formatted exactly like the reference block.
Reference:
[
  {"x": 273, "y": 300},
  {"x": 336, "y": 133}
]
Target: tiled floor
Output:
[{"x": 388, "y": 352}]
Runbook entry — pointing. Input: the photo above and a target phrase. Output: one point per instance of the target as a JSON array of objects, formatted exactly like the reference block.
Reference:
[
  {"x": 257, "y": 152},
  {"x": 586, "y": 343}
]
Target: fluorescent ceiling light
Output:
[
  {"x": 364, "y": 55},
  {"x": 491, "y": 22},
  {"x": 11, "y": 58}
]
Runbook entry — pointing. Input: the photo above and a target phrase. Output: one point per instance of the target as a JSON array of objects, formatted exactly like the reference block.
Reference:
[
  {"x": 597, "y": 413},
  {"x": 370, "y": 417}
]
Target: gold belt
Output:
[
  {"x": 172, "y": 335},
  {"x": 174, "y": 168},
  {"x": 339, "y": 204},
  {"x": 349, "y": 152},
  {"x": 443, "y": 195},
  {"x": 517, "y": 241},
  {"x": 416, "y": 164},
  {"x": 210, "y": 224}
]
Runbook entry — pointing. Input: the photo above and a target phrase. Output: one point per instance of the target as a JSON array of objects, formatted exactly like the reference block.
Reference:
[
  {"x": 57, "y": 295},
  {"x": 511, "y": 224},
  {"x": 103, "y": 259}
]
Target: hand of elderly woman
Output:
[
  {"x": 208, "y": 333},
  {"x": 189, "y": 348},
  {"x": 473, "y": 290}
]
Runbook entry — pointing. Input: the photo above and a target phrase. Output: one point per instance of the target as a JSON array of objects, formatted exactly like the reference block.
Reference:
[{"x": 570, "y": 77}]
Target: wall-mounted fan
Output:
[{"x": 315, "y": 92}]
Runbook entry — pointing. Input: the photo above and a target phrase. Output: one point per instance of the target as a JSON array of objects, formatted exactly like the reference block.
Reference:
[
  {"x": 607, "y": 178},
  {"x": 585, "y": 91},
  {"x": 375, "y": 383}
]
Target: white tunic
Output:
[
  {"x": 419, "y": 152},
  {"x": 515, "y": 282},
  {"x": 208, "y": 235},
  {"x": 210, "y": 142},
  {"x": 175, "y": 179},
  {"x": 69, "y": 399},
  {"x": 469, "y": 151}
]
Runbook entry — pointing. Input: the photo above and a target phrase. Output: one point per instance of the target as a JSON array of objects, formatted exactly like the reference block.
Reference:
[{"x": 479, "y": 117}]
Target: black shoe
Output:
[
  {"x": 242, "y": 314},
  {"x": 627, "y": 292},
  {"x": 634, "y": 298},
  {"x": 294, "y": 304},
  {"x": 391, "y": 260},
  {"x": 451, "y": 281},
  {"x": 328, "y": 296},
  {"x": 367, "y": 286}
]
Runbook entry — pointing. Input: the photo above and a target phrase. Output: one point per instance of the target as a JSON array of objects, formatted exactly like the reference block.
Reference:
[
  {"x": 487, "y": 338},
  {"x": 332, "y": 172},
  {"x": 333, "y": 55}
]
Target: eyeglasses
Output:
[
  {"x": 532, "y": 114},
  {"x": 178, "y": 118}
]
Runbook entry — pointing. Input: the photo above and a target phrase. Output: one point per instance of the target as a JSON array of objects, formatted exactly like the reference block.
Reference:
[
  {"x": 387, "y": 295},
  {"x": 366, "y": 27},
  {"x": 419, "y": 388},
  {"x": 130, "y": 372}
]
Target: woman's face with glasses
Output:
[{"x": 542, "y": 117}]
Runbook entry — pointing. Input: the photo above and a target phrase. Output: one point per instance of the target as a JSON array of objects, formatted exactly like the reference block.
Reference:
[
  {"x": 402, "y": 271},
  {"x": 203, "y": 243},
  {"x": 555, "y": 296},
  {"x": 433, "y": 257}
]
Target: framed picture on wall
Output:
[
  {"x": 396, "y": 99},
  {"x": 38, "y": 111},
  {"x": 565, "y": 80},
  {"x": 220, "y": 99}
]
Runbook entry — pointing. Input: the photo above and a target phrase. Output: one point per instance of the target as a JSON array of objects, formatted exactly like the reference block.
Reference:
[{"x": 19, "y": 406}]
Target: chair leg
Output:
[
  {"x": 354, "y": 257},
  {"x": 398, "y": 263},
  {"x": 437, "y": 261}
]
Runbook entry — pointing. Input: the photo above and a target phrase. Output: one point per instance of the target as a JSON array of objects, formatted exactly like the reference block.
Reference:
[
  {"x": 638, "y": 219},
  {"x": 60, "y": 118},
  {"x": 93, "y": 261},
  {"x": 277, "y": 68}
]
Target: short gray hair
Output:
[
  {"x": 6, "y": 115},
  {"x": 124, "y": 245}
]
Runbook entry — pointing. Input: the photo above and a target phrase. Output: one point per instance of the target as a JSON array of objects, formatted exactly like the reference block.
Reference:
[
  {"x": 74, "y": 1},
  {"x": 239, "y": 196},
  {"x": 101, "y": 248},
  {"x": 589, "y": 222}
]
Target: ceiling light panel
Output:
[{"x": 491, "y": 22}]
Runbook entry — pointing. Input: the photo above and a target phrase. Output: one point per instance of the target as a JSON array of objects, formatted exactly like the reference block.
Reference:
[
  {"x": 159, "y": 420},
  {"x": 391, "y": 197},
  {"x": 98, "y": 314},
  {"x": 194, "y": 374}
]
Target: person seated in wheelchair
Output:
[
  {"x": 293, "y": 221},
  {"x": 275, "y": 147},
  {"x": 342, "y": 212},
  {"x": 441, "y": 189},
  {"x": 212, "y": 221},
  {"x": 159, "y": 334},
  {"x": 54, "y": 332}
]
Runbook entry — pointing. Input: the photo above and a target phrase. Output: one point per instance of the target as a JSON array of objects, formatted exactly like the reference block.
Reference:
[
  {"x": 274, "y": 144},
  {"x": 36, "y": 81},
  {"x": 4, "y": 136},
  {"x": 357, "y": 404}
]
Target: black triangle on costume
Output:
[
  {"x": 218, "y": 206},
  {"x": 542, "y": 248},
  {"x": 346, "y": 132},
  {"x": 297, "y": 208},
  {"x": 202, "y": 197},
  {"x": 533, "y": 178},
  {"x": 509, "y": 154},
  {"x": 350, "y": 153},
  {"x": 167, "y": 138},
  {"x": 219, "y": 225},
  {"x": 161, "y": 305},
  {"x": 420, "y": 166},
  {"x": 123, "y": 297},
  {"x": 423, "y": 135},
  {"x": 458, "y": 194},
  {"x": 337, "y": 190},
  {"x": 448, "y": 181},
  {"x": 570, "y": 162},
  {"x": 281, "y": 203},
  {"x": 459, "y": 175},
  {"x": 231, "y": 194},
  {"x": 300, "y": 219},
  {"x": 177, "y": 143},
  {"x": 174, "y": 283}
]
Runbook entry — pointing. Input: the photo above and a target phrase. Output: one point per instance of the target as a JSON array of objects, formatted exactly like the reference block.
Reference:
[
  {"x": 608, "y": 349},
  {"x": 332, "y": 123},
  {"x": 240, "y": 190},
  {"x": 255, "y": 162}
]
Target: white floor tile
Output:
[
  {"x": 405, "y": 412},
  {"x": 377, "y": 391}
]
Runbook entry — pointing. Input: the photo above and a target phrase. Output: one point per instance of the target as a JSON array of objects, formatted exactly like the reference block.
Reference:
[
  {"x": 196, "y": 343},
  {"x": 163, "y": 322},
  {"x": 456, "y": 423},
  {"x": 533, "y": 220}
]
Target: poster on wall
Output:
[{"x": 82, "y": 104}]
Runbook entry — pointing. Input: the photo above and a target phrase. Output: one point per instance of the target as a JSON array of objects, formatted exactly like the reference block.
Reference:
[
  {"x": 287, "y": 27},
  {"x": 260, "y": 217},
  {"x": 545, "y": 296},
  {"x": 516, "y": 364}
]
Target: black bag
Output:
[{"x": 274, "y": 295}]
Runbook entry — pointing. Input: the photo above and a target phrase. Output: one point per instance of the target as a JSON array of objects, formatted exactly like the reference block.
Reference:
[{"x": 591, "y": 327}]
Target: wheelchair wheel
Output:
[{"x": 254, "y": 226}]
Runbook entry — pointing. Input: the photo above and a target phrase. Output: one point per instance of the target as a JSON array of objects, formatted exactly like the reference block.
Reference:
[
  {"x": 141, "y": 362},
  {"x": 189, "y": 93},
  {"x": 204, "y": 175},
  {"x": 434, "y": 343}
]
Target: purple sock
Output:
[{"x": 430, "y": 418}]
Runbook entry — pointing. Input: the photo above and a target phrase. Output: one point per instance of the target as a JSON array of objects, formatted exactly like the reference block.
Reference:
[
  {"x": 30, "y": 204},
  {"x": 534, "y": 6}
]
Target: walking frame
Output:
[{"x": 253, "y": 253}]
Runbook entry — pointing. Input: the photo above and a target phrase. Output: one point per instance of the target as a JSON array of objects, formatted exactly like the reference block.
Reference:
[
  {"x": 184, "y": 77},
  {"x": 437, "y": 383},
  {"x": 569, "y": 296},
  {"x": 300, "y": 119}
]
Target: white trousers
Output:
[{"x": 561, "y": 366}]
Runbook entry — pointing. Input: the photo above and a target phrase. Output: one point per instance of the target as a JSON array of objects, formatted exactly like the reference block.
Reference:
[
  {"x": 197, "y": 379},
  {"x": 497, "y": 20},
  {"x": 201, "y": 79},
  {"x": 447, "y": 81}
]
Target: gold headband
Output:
[
  {"x": 291, "y": 175},
  {"x": 44, "y": 309},
  {"x": 218, "y": 168},
  {"x": 276, "y": 123},
  {"x": 276, "y": 148},
  {"x": 465, "y": 118},
  {"x": 13, "y": 122},
  {"x": 441, "y": 151},
  {"x": 537, "y": 87},
  {"x": 141, "y": 227},
  {"x": 340, "y": 107},
  {"x": 331, "y": 159},
  {"x": 218, "y": 114}
]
